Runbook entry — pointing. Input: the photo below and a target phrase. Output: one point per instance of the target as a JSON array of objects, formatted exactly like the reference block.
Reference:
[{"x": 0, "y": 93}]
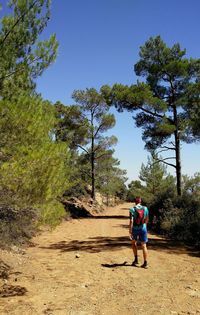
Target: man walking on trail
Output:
[{"x": 138, "y": 230}]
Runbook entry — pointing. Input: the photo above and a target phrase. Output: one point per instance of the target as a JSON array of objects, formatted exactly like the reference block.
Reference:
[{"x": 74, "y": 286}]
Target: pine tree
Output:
[
  {"x": 22, "y": 57},
  {"x": 167, "y": 104},
  {"x": 34, "y": 168},
  {"x": 95, "y": 111},
  {"x": 110, "y": 178},
  {"x": 135, "y": 189},
  {"x": 154, "y": 176}
]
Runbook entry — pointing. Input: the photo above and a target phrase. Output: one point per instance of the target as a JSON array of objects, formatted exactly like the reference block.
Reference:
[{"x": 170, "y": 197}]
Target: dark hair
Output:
[{"x": 138, "y": 200}]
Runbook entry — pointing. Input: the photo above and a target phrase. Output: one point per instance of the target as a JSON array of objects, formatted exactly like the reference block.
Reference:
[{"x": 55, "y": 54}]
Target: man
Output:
[{"x": 138, "y": 230}]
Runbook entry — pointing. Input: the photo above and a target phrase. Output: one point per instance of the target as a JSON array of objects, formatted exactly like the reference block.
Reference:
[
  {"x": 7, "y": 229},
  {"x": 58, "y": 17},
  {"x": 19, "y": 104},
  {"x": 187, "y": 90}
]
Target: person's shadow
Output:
[{"x": 116, "y": 265}]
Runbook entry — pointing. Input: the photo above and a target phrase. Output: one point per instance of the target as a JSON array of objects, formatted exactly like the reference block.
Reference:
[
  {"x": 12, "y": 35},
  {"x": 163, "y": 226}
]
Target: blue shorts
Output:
[{"x": 140, "y": 234}]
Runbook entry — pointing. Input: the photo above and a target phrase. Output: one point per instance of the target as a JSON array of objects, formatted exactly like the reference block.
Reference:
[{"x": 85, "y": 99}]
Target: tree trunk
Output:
[
  {"x": 107, "y": 197},
  {"x": 92, "y": 160},
  {"x": 178, "y": 164},
  {"x": 177, "y": 152},
  {"x": 93, "y": 176}
]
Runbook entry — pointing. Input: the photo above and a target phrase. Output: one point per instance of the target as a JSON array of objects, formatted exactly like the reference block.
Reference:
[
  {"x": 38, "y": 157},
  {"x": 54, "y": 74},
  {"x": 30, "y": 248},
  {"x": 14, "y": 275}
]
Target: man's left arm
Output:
[{"x": 146, "y": 215}]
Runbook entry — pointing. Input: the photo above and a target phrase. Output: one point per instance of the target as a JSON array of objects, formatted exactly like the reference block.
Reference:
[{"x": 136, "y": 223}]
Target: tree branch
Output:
[
  {"x": 150, "y": 112},
  {"x": 166, "y": 147},
  {"x": 163, "y": 161},
  {"x": 101, "y": 125},
  {"x": 168, "y": 158},
  {"x": 153, "y": 113},
  {"x": 172, "y": 143},
  {"x": 94, "y": 108},
  {"x": 97, "y": 148},
  {"x": 78, "y": 145},
  {"x": 100, "y": 156},
  {"x": 19, "y": 70},
  {"x": 86, "y": 173}
]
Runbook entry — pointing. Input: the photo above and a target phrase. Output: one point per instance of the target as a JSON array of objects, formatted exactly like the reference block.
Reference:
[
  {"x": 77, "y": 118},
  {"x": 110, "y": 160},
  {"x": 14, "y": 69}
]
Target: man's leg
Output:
[
  {"x": 134, "y": 247},
  {"x": 145, "y": 252}
]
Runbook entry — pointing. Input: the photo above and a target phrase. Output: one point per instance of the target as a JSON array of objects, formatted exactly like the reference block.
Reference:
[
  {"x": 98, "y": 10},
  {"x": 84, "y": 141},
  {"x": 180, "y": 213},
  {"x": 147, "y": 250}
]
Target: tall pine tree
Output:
[{"x": 167, "y": 104}]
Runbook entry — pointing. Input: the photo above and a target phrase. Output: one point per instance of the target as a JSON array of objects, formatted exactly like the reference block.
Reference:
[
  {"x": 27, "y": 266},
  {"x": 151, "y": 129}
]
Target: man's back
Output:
[{"x": 142, "y": 211}]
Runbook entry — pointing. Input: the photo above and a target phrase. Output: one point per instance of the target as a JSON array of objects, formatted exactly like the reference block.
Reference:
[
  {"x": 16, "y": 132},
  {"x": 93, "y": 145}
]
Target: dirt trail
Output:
[{"x": 75, "y": 270}]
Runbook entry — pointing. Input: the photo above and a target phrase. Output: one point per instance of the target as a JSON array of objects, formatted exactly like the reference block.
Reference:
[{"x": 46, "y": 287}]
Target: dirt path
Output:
[{"x": 64, "y": 272}]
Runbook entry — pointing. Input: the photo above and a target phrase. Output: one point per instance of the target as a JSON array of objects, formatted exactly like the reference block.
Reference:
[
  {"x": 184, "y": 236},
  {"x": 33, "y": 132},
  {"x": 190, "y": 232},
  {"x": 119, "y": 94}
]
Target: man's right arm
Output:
[{"x": 130, "y": 224}]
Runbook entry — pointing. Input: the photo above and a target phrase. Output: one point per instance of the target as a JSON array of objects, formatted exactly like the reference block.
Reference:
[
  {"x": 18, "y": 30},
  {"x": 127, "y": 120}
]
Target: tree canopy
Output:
[
  {"x": 166, "y": 104},
  {"x": 23, "y": 57},
  {"x": 34, "y": 168},
  {"x": 95, "y": 111}
]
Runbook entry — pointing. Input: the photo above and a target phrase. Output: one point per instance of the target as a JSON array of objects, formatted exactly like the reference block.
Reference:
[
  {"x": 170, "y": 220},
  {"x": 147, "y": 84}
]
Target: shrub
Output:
[
  {"x": 52, "y": 213},
  {"x": 181, "y": 219},
  {"x": 34, "y": 167},
  {"x": 16, "y": 225}
]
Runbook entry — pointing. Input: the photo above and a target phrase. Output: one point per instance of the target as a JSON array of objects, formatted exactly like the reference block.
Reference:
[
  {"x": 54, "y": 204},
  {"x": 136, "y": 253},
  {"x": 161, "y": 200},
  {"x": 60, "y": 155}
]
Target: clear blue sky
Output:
[{"x": 99, "y": 44}]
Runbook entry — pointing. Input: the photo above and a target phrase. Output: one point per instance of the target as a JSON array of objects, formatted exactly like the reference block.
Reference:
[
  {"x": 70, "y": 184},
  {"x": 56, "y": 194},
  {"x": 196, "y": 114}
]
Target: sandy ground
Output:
[{"x": 77, "y": 270}]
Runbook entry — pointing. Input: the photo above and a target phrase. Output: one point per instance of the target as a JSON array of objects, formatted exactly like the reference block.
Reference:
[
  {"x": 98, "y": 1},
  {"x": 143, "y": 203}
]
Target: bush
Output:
[
  {"x": 181, "y": 219},
  {"x": 34, "y": 168},
  {"x": 52, "y": 213},
  {"x": 16, "y": 225}
]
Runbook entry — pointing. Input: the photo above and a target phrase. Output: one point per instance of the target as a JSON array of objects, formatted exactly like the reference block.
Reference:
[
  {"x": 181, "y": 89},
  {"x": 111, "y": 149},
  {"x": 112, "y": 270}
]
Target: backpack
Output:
[{"x": 139, "y": 218}]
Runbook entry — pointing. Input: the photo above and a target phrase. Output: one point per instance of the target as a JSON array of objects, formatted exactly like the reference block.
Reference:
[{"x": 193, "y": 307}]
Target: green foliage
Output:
[
  {"x": 72, "y": 126},
  {"x": 156, "y": 179},
  {"x": 171, "y": 77},
  {"x": 110, "y": 179},
  {"x": 178, "y": 217},
  {"x": 157, "y": 187},
  {"x": 156, "y": 182},
  {"x": 167, "y": 104},
  {"x": 33, "y": 166},
  {"x": 181, "y": 220},
  {"x": 22, "y": 56},
  {"x": 24, "y": 123},
  {"x": 81, "y": 132},
  {"x": 191, "y": 103},
  {"x": 78, "y": 175},
  {"x": 192, "y": 185},
  {"x": 94, "y": 110},
  {"x": 52, "y": 213},
  {"x": 135, "y": 188}
]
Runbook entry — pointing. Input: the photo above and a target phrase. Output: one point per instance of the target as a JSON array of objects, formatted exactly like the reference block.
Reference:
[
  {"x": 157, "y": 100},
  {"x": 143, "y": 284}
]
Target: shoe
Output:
[
  {"x": 135, "y": 263},
  {"x": 145, "y": 265}
]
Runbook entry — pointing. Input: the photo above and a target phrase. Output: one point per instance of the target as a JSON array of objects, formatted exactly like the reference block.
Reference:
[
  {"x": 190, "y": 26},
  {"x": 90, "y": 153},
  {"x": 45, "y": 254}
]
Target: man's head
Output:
[{"x": 138, "y": 200}]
